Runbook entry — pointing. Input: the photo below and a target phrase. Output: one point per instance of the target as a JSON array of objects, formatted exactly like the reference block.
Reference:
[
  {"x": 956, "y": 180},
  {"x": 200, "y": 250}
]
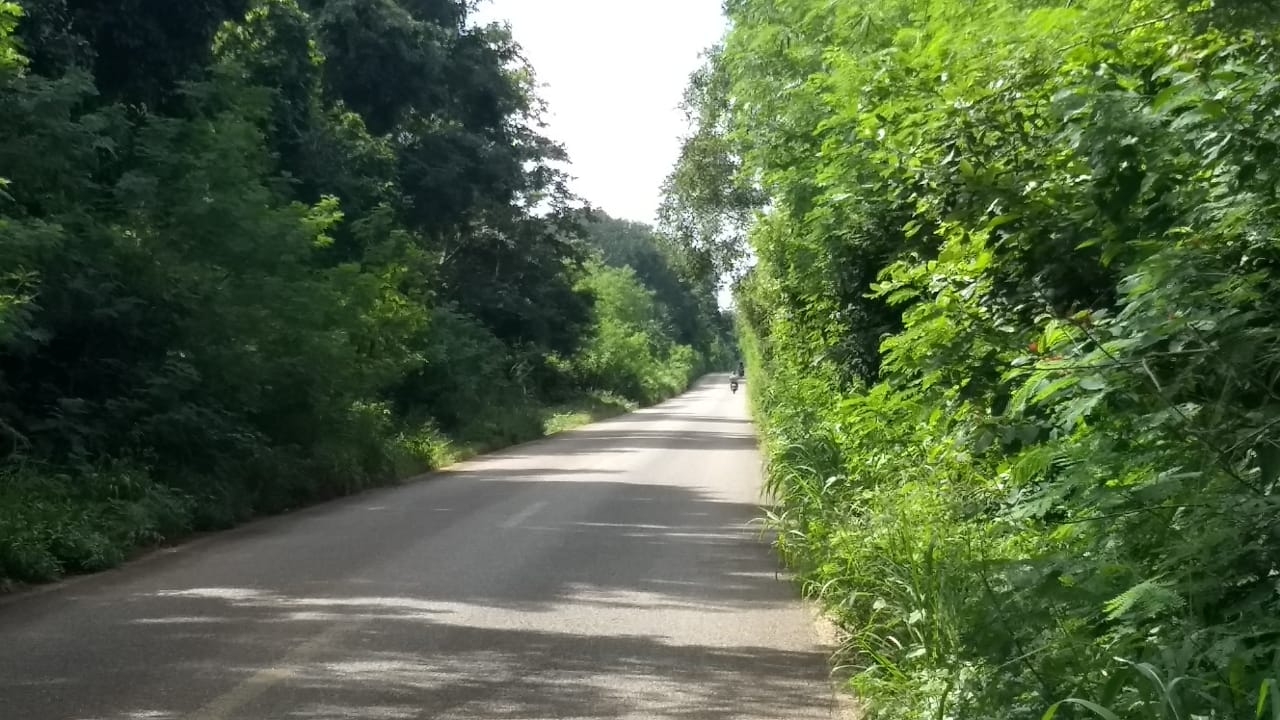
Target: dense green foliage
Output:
[
  {"x": 257, "y": 253},
  {"x": 1014, "y": 336},
  {"x": 667, "y": 322}
]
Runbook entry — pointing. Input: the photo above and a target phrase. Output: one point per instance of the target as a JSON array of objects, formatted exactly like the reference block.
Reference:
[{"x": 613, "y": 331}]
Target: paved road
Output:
[{"x": 605, "y": 573}]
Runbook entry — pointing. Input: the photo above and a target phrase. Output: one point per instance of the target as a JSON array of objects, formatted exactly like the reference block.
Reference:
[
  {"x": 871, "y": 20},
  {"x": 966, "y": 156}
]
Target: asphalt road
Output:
[{"x": 610, "y": 572}]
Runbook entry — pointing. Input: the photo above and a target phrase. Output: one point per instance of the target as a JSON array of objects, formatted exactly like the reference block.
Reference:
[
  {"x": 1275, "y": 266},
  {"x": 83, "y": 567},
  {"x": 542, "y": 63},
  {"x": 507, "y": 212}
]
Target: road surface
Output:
[{"x": 610, "y": 572}]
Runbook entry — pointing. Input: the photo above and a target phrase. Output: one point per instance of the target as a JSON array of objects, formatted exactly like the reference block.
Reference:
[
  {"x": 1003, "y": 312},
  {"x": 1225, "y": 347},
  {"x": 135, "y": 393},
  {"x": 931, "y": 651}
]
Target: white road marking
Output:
[{"x": 523, "y": 515}]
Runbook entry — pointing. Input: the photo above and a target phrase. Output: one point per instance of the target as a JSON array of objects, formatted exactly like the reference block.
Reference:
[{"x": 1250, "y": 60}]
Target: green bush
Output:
[
  {"x": 630, "y": 351},
  {"x": 53, "y": 523},
  {"x": 594, "y": 407},
  {"x": 1014, "y": 343}
]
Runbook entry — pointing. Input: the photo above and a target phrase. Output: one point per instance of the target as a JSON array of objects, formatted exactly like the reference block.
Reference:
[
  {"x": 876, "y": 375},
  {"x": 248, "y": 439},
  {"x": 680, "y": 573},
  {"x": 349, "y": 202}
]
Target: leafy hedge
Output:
[{"x": 1014, "y": 332}]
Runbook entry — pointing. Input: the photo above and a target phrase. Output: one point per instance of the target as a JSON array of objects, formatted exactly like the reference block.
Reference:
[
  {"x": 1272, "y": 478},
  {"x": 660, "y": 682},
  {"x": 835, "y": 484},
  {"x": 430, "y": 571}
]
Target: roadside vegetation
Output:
[
  {"x": 1012, "y": 321},
  {"x": 260, "y": 253}
]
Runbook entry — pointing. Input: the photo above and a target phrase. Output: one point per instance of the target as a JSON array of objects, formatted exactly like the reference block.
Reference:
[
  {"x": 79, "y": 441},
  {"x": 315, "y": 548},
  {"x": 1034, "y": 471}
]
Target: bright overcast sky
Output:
[{"x": 613, "y": 73}]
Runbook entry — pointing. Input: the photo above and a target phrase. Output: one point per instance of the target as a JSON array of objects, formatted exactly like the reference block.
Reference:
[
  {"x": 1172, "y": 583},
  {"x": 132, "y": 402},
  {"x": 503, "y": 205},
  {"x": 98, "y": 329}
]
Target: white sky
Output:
[{"x": 613, "y": 73}]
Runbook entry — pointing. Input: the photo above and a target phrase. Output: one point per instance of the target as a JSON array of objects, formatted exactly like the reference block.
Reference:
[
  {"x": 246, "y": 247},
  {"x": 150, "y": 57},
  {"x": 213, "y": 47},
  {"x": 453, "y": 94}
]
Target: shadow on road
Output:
[
  {"x": 435, "y": 639},
  {"x": 403, "y": 662},
  {"x": 614, "y": 440},
  {"x": 397, "y": 605}
]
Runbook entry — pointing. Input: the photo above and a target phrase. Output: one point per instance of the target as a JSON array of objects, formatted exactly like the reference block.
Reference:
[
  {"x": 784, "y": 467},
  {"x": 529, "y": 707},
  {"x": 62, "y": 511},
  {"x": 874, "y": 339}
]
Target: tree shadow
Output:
[
  {"x": 403, "y": 664},
  {"x": 705, "y": 419},
  {"x": 523, "y": 473},
  {"x": 599, "y": 626},
  {"x": 507, "y": 588},
  {"x": 616, "y": 440},
  {"x": 486, "y": 673}
]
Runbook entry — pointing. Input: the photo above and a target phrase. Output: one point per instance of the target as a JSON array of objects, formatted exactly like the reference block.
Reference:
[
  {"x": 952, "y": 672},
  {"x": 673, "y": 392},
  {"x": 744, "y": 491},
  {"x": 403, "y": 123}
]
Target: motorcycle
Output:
[{"x": 733, "y": 385}]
